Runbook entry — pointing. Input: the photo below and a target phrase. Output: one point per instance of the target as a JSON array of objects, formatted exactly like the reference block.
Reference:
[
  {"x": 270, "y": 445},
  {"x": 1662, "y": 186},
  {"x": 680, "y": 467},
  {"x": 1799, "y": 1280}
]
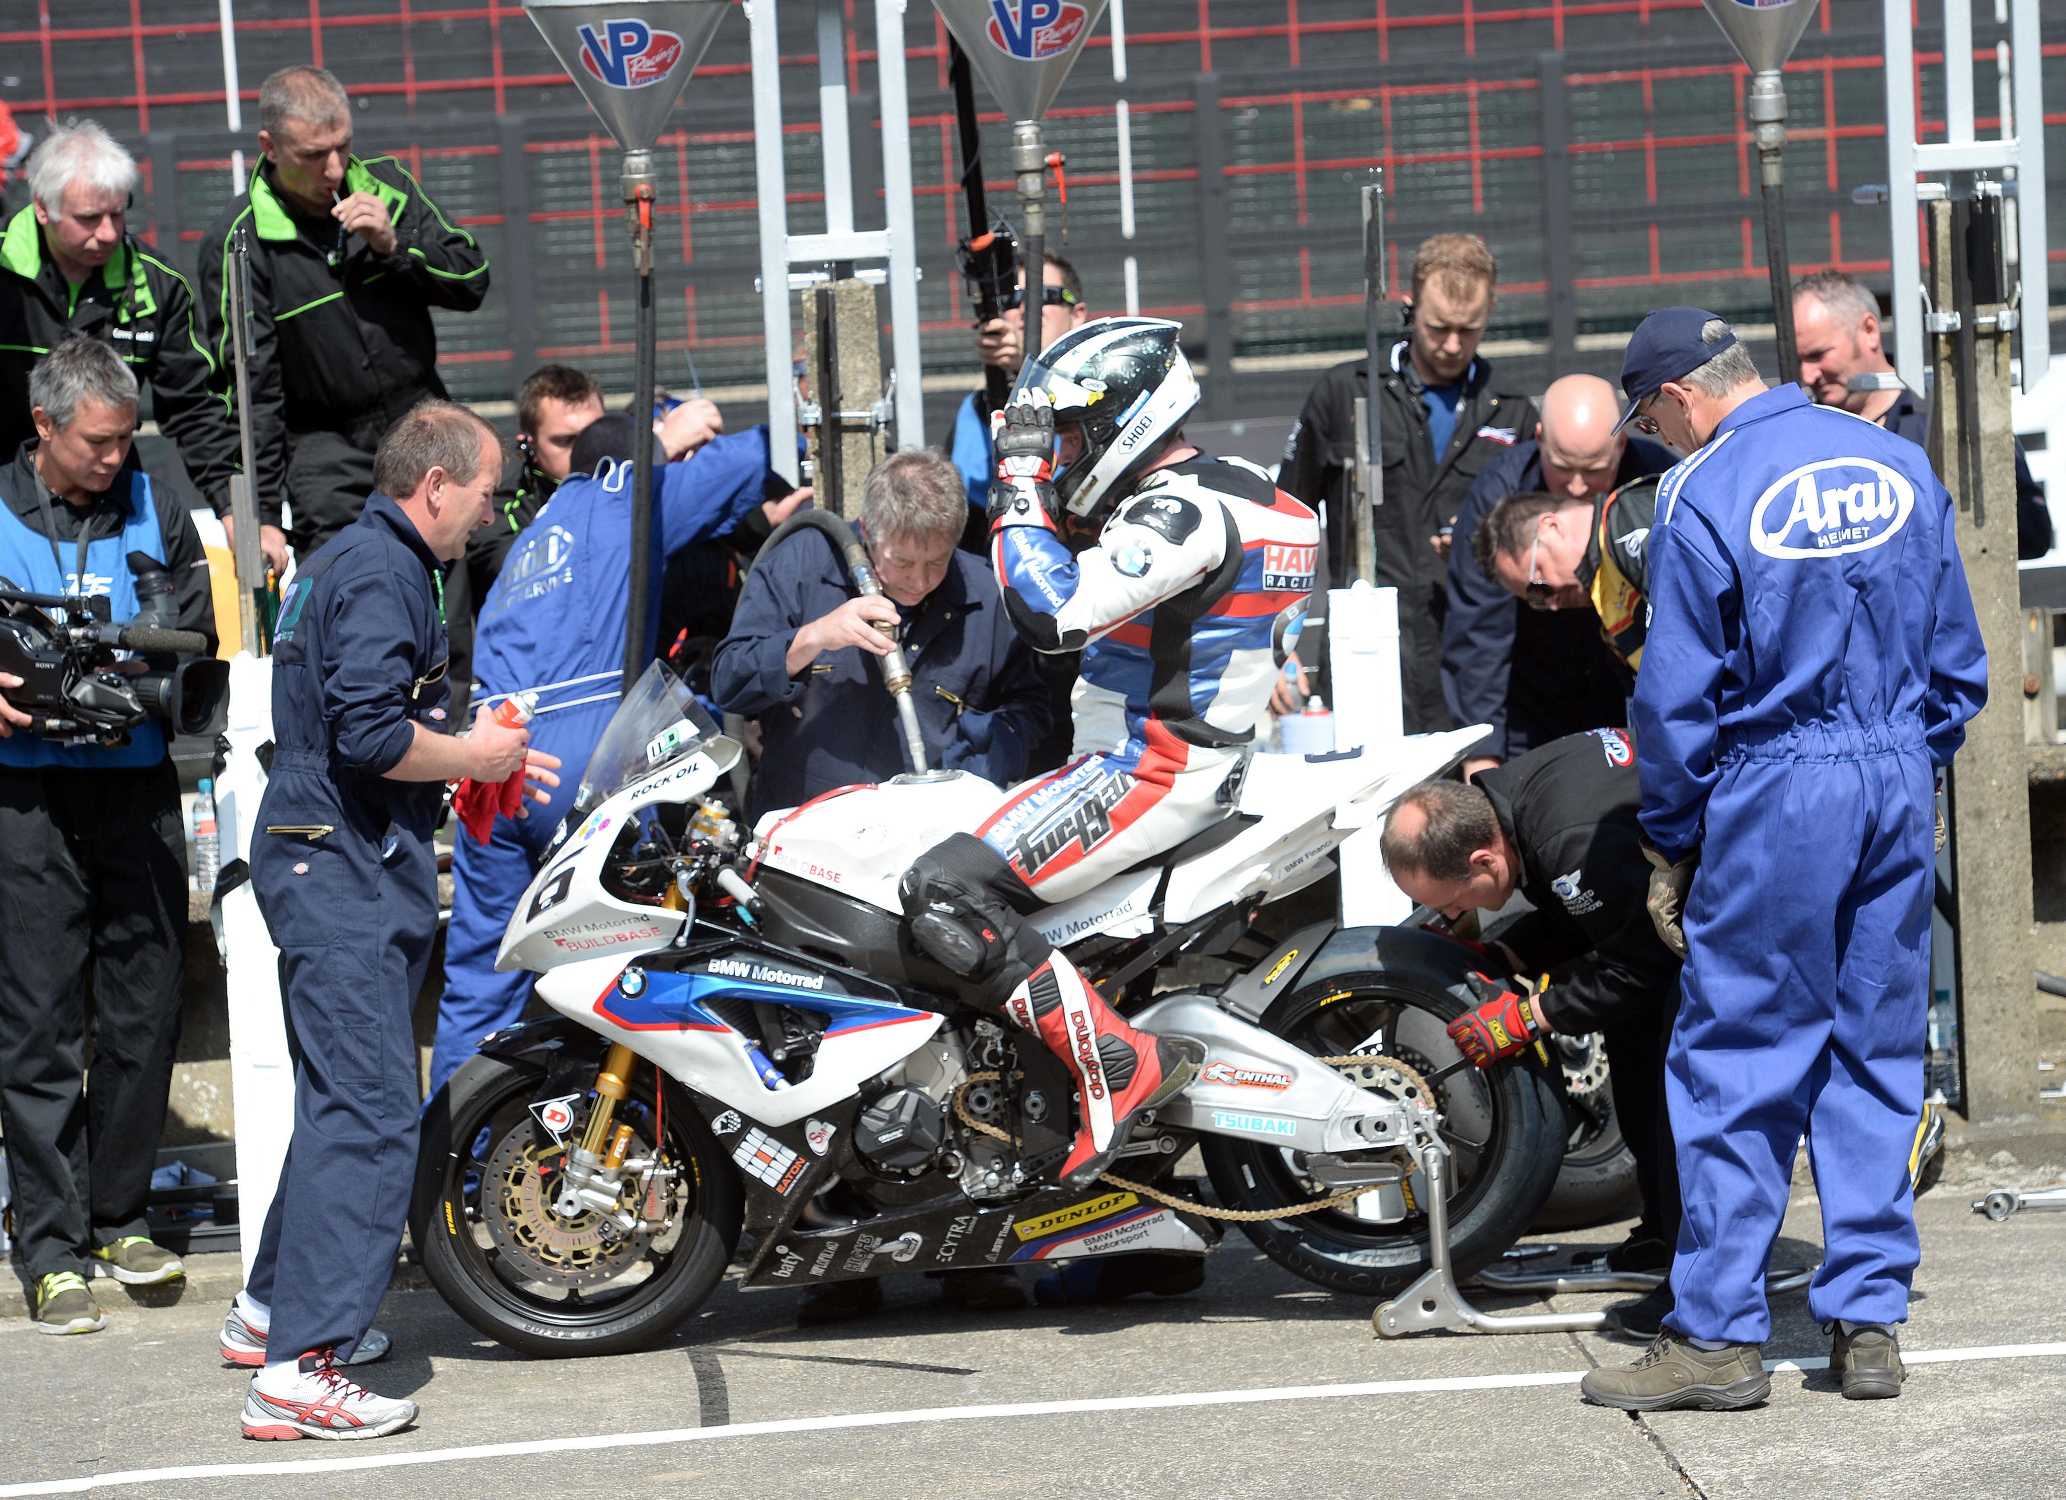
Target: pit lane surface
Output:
[{"x": 1255, "y": 1386}]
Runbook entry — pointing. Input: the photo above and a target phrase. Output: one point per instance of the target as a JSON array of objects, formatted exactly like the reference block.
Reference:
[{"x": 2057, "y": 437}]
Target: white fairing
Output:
[
  {"x": 713, "y": 1061},
  {"x": 862, "y": 840},
  {"x": 567, "y": 911}
]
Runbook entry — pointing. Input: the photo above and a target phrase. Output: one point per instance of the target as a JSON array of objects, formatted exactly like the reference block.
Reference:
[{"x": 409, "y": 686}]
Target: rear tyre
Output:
[
  {"x": 1505, "y": 1130},
  {"x": 1597, "y": 1182},
  {"x": 553, "y": 1287}
]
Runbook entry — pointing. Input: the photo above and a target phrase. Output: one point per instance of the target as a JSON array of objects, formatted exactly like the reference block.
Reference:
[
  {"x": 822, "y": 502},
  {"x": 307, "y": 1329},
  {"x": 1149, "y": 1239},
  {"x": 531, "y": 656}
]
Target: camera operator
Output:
[{"x": 92, "y": 857}]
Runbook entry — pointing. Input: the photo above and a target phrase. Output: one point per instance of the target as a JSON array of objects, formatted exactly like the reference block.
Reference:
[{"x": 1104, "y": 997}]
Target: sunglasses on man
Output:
[{"x": 1050, "y": 296}]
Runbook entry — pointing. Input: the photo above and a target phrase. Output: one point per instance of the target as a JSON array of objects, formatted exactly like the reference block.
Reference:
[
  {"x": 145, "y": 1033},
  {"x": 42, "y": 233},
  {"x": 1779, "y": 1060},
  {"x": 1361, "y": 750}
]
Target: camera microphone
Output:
[{"x": 149, "y": 638}]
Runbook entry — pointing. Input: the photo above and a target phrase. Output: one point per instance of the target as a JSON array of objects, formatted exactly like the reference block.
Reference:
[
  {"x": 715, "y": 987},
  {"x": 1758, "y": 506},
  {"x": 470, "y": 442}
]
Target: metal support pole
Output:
[
  {"x": 839, "y": 164},
  {"x": 1766, "y": 110},
  {"x": 1556, "y": 213},
  {"x": 1990, "y": 803},
  {"x": 770, "y": 183},
  {"x": 1217, "y": 272},
  {"x": 640, "y": 189},
  {"x": 899, "y": 219},
  {"x": 1029, "y": 164},
  {"x": 2027, "y": 78},
  {"x": 1904, "y": 236}
]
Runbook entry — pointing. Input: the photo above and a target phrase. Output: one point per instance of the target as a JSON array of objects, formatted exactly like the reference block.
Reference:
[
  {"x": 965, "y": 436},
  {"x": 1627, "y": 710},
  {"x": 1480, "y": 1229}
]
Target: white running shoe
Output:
[
  {"x": 323, "y": 1402},
  {"x": 243, "y": 1342}
]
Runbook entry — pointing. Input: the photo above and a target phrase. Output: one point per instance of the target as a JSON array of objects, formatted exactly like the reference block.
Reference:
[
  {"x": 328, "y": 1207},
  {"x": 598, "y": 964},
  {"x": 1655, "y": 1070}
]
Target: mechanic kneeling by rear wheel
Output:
[{"x": 1559, "y": 825}]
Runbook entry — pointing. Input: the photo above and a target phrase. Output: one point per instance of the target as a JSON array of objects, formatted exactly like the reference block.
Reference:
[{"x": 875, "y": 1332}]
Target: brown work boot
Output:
[
  {"x": 1869, "y": 1362},
  {"x": 1675, "y": 1372}
]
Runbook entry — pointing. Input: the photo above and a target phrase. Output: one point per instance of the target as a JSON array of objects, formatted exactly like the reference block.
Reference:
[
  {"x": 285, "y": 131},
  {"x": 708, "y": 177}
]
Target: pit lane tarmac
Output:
[{"x": 1255, "y": 1386}]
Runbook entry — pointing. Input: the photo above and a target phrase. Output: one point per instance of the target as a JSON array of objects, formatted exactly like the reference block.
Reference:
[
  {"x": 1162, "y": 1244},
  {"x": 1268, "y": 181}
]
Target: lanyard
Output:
[{"x": 56, "y": 554}]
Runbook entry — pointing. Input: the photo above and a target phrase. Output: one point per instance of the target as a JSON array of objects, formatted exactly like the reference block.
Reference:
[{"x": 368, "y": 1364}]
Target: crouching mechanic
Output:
[
  {"x": 553, "y": 624},
  {"x": 1179, "y": 577},
  {"x": 346, "y": 878},
  {"x": 1559, "y": 825}
]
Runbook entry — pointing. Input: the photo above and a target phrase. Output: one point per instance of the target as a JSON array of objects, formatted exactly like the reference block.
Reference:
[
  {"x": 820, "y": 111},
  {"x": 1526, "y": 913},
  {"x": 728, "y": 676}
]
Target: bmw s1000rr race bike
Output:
[{"x": 746, "y": 1039}]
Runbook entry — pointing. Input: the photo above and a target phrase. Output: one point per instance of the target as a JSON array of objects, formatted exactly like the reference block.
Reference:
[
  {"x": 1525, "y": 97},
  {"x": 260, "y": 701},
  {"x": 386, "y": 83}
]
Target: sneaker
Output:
[
  {"x": 838, "y": 1302},
  {"x": 243, "y": 1342},
  {"x": 1675, "y": 1372},
  {"x": 322, "y": 1402},
  {"x": 134, "y": 1261},
  {"x": 1869, "y": 1361},
  {"x": 1642, "y": 1320},
  {"x": 1642, "y": 1253},
  {"x": 64, "y": 1305}
]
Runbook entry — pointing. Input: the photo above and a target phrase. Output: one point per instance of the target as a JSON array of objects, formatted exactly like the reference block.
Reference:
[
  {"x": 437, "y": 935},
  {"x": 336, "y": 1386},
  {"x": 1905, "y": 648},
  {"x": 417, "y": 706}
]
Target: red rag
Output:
[{"x": 476, "y": 804}]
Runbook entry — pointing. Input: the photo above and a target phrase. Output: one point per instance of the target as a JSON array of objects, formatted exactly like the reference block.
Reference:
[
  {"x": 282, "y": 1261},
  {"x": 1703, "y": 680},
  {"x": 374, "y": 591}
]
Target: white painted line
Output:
[{"x": 925, "y": 1415}]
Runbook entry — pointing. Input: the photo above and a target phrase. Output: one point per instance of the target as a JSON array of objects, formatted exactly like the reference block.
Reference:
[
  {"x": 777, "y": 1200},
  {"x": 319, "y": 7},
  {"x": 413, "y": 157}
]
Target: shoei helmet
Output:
[{"x": 1126, "y": 384}]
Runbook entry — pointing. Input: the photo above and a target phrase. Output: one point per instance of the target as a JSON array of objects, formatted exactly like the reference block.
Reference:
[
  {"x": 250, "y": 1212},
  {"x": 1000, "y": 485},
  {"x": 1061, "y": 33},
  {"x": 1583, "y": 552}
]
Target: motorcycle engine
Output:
[{"x": 900, "y": 1133}]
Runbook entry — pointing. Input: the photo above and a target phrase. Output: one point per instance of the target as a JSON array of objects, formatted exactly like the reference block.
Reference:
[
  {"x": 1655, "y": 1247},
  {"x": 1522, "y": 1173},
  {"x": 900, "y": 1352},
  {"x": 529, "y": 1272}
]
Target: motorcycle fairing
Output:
[
  {"x": 665, "y": 1014},
  {"x": 952, "y": 1233}
]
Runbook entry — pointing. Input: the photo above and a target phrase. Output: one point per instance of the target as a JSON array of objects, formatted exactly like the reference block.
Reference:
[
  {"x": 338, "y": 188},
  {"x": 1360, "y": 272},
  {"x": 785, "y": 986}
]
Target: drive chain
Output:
[{"x": 1191, "y": 1205}]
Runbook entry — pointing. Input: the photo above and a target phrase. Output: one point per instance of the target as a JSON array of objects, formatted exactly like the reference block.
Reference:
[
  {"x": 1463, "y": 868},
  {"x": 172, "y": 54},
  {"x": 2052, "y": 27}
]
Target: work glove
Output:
[
  {"x": 1667, "y": 901},
  {"x": 1505, "y": 1023},
  {"x": 1022, "y": 437}
]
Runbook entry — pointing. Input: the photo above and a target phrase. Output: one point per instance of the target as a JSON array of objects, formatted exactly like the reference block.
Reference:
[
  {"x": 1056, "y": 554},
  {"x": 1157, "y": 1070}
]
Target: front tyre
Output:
[
  {"x": 1504, "y": 1128},
  {"x": 552, "y": 1287}
]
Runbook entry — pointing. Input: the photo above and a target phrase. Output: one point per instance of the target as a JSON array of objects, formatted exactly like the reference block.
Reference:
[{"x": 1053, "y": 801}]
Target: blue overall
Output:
[
  {"x": 1812, "y": 656},
  {"x": 553, "y": 623},
  {"x": 344, "y": 872}
]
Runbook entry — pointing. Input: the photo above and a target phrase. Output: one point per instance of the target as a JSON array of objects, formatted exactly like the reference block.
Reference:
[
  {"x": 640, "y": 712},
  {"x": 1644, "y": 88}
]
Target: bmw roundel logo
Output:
[{"x": 632, "y": 982}]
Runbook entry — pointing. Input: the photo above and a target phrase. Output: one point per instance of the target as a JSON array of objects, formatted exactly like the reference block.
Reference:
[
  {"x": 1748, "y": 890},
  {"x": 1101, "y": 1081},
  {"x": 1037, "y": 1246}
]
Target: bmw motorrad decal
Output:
[
  {"x": 678, "y": 1001},
  {"x": 1083, "y": 1235}
]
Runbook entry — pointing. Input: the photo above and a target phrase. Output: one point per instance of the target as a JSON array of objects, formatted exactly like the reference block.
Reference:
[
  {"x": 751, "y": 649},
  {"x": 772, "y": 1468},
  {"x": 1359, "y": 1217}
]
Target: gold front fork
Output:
[{"x": 612, "y": 1084}]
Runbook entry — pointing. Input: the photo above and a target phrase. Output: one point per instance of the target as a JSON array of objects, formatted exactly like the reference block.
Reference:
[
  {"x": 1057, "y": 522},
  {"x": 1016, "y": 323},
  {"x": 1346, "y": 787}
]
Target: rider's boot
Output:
[{"x": 1118, "y": 1071}]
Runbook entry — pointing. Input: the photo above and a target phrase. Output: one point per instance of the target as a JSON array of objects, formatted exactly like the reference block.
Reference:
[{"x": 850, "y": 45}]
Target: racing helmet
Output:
[{"x": 1126, "y": 384}]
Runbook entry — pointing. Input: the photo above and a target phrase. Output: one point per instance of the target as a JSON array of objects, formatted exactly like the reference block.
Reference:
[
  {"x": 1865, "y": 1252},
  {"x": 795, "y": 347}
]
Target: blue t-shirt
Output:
[{"x": 1442, "y": 402}]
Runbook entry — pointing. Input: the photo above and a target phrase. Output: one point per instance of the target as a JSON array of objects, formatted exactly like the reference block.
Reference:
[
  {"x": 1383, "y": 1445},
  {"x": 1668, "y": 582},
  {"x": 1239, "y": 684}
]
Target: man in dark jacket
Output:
[
  {"x": 825, "y": 717},
  {"x": 1536, "y": 676},
  {"x": 1836, "y": 323},
  {"x": 1559, "y": 826},
  {"x": 92, "y": 858},
  {"x": 1444, "y": 419},
  {"x": 68, "y": 265},
  {"x": 348, "y": 257}
]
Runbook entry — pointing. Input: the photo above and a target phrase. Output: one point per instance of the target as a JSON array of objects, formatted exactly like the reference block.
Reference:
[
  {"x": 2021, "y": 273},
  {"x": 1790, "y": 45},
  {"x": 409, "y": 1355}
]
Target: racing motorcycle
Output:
[{"x": 744, "y": 1038}]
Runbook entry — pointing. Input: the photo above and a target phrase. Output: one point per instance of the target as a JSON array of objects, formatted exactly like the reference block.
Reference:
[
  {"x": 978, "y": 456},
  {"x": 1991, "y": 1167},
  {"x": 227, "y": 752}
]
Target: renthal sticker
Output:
[
  {"x": 1245, "y": 1078},
  {"x": 1088, "y": 1211},
  {"x": 1252, "y": 1124},
  {"x": 556, "y": 1115},
  {"x": 817, "y": 1134},
  {"x": 760, "y": 1155},
  {"x": 727, "y": 1122},
  {"x": 1277, "y": 969}
]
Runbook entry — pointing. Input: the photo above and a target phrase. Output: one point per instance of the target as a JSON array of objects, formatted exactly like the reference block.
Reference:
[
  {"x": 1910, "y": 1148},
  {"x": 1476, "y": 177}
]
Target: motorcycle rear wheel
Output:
[
  {"x": 482, "y": 1120},
  {"x": 1505, "y": 1129}
]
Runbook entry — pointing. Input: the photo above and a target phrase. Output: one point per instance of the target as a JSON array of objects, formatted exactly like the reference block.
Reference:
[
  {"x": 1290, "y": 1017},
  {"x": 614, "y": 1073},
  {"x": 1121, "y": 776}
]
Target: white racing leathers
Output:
[{"x": 1184, "y": 611}]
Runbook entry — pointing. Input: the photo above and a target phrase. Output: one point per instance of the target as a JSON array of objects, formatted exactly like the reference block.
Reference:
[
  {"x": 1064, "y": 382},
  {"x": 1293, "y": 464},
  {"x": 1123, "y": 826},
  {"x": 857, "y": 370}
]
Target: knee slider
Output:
[{"x": 959, "y": 918}]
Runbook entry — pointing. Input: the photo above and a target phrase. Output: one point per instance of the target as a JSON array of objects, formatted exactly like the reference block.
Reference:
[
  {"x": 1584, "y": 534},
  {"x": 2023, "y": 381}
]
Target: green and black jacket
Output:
[
  {"x": 144, "y": 310},
  {"x": 341, "y": 338}
]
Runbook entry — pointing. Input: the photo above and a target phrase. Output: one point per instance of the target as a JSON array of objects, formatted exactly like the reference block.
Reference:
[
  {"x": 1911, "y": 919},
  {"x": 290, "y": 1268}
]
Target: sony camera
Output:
[{"x": 79, "y": 691}]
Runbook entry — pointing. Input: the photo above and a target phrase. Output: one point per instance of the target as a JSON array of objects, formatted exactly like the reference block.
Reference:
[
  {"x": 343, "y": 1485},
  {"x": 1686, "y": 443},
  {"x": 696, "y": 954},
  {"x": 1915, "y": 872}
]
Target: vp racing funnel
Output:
[
  {"x": 631, "y": 59},
  {"x": 1022, "y": 49}
]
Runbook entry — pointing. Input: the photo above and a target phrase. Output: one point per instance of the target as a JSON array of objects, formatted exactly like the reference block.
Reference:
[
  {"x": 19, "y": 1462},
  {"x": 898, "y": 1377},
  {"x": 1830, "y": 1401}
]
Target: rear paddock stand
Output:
[{"x": 1435, "y": 1303}]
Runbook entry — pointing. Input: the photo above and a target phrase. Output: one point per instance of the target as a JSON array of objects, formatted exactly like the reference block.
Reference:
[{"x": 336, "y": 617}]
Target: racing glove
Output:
[
  {"x": 1505, "y": 1023},
  {"x": 1667, "y": 900},
  {"x": 1022, "y": 437}
]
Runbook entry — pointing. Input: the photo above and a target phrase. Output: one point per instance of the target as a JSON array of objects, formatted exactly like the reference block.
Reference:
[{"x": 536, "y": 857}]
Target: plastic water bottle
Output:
[
  {"x": 1310, "y": 732},
  {"x": 207, "y": 846}
]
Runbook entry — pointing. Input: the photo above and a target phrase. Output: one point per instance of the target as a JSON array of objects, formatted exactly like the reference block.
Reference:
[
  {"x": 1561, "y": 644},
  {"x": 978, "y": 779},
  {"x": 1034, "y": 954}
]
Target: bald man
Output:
[{"x": 1533, "y": 675}]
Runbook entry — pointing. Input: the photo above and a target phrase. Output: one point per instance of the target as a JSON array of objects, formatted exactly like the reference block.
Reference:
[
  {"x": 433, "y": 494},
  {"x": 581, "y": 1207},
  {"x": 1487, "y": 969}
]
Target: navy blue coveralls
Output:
[
  {"x": 980, "y": 700},
  {"x": 1534, "y": 675},
  {"x": 1812, "y": 655},
  {"x": 344, "y": 872}
]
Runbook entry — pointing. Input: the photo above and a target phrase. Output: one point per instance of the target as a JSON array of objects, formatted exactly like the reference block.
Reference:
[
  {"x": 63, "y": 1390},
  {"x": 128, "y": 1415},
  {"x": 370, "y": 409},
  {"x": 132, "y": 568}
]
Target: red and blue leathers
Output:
[
  {"x": 1812, "y": 656},
  {"x": 553, "y": 624}
]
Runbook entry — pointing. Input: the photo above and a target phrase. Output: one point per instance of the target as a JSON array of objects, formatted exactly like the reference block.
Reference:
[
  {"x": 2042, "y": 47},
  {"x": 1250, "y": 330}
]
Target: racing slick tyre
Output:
[
  {"x": 489, "y": 1238},
  {"x": 1504, "y": 1128},
  {"x": 1597, "y": 1183}
]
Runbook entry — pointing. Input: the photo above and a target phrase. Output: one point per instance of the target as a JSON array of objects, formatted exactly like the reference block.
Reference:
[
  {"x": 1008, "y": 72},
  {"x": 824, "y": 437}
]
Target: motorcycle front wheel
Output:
[
  {"x": 1504, "y": 1129},
  {"x": 545, "y": 1285}
]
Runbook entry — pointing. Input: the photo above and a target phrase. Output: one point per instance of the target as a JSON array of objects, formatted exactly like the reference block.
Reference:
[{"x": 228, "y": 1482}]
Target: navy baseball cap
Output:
[{"x": 1665, "y": 346}]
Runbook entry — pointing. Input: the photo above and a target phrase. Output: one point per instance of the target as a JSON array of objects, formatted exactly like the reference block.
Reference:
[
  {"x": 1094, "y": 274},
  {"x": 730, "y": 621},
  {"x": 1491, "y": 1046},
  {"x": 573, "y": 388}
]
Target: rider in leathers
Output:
[{"x": 1183, "y": 579}]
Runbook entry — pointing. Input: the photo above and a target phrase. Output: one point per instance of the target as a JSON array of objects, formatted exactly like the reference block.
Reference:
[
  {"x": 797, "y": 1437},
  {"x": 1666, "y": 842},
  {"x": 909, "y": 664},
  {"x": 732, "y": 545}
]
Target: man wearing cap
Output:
[{"x": 1812, "y": 655}]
